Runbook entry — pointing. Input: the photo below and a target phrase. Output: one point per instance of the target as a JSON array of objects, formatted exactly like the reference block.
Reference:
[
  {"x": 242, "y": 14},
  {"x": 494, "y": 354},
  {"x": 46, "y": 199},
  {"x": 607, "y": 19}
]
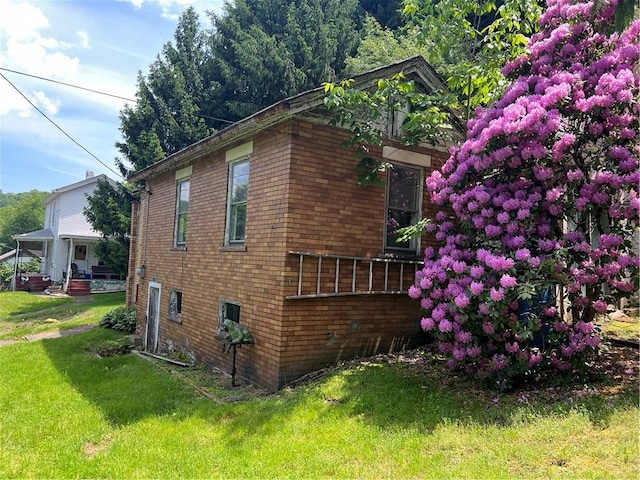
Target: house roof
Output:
[
  {"x": 87, "y": 181},
  {"x": 37, "y": 236},
  {"x": 414, "y": 68},
  {"x": 24, "y": 253}
]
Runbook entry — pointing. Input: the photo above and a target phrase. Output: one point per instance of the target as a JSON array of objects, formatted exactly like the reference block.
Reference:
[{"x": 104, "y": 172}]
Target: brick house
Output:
[{"x": 281, "y": 239}]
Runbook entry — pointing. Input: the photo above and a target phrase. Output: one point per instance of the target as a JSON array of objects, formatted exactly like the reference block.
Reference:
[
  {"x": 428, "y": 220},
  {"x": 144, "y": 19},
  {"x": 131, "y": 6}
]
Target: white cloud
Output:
[
  {"x": 10, "y": 101},
  {"x": 21, "y": 20},
  {"x": 84, "y": 38},
  {"x": 171, "y": 9},
  {"x": 24, "y": 47},
  {"x": 49, "y": 106}
]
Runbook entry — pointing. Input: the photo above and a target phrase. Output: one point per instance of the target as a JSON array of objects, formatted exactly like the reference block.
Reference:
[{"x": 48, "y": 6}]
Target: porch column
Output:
[
  {"x": 44, "y": 268},
  {"x": 69, "y": 257},
  {"x": 15, "y": 266}
]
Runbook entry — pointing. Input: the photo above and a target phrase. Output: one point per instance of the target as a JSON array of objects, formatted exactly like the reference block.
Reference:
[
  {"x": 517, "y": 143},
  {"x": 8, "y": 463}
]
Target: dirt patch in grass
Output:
[
  {"x": 616, "y": 372},
  {"x": 92, "y": 449}
]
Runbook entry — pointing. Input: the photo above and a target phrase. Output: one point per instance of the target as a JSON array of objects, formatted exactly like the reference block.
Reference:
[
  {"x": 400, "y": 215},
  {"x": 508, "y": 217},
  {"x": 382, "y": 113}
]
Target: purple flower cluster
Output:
[{"x": 544, "y": 192}]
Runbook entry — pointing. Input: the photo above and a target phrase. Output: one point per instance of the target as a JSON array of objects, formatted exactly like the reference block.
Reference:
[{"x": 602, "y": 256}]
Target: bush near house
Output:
[
  {"x": 121, "y": 318},
  {"x": 545, "y": 198},
  {"x": 6, "y": 271}
]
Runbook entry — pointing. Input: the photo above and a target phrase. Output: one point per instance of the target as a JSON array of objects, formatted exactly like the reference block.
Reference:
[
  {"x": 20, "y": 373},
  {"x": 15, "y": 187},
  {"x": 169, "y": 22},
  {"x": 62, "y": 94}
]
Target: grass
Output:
[
  {"x": 621, "y": 326},
  {"x": 18, "y": 303},
  {"x": 66, "y": 413},
  {"x": 23, "y": 313}
]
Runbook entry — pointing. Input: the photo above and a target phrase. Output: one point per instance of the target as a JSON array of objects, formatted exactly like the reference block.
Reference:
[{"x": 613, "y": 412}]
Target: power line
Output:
[
  {"x": 66, "y": 84},
  {"x": 97, "y": 91},
  {"x": 60, "y": 128}
]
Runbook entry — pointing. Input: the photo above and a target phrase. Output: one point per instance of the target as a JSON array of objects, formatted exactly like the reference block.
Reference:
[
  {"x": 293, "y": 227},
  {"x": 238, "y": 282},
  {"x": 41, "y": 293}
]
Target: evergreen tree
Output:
[
  {"x": 266, "y": 50},
  {"x": 168, "y": 115},
  {"x": 388, "y": 13}
]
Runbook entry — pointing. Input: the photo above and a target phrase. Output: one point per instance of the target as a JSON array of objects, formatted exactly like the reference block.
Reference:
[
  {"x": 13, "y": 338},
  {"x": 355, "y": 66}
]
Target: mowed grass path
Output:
[
  {"x": 23, "y": 313},
  {"x": 65, "y": 413}
]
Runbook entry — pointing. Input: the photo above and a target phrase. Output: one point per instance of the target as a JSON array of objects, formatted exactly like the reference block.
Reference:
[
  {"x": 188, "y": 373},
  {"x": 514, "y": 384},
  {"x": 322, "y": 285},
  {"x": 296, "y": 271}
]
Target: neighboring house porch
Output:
[{"x": 68, "y": 241}]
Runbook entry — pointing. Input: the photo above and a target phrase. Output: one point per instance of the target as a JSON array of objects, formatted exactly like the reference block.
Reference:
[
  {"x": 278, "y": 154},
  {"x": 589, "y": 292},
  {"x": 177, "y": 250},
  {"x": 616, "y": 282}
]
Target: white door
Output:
[{"x": 153, "y": 318}]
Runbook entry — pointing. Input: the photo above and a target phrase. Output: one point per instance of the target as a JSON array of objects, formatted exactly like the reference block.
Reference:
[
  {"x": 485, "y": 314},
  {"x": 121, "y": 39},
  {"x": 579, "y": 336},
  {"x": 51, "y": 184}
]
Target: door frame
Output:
[{"x": 156, "y": 320}]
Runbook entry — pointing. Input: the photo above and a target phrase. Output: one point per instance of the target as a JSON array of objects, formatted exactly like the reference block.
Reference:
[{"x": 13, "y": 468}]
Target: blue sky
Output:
[{"x": 97, "y": 44}]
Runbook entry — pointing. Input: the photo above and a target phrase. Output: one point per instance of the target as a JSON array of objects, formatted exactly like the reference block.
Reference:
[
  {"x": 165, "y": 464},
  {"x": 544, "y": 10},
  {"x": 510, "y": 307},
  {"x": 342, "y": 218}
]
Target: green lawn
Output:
[
  {"x": 623, "y": 327},
  {"x": 17, "y": 303},
  {"x": 65, "y": 413},
  {"x": 23, "y": 313}
]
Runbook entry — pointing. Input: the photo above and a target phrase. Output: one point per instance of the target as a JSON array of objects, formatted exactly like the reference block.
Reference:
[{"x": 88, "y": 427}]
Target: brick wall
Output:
[
  {"x": 319, "y": 332},
  {"x": 329, "y": 213},
  {"x": 303, "y": 195},
  {"x": 206, "y": 272}
]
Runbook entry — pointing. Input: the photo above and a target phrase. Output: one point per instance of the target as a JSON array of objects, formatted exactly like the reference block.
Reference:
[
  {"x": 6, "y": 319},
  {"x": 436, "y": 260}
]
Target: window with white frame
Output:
[
  {"x": 403, "y": 206},
  {"x": 175, "y": 305},
  {"x": 237, "y": 202},
  {"x": 228, "y": 310},
  {"x": 182, "y": 206}
]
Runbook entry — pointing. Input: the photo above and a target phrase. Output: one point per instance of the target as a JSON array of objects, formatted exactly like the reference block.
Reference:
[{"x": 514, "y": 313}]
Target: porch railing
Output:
[{"x": 325, "y": 275}]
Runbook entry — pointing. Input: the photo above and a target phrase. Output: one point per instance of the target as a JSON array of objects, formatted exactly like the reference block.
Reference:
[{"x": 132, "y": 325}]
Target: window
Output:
[
  {"x": 182, "y": 205},
  {"x": 237, "y": 202},
  {"x": 403, "y": 206},
  {"x": 228, "y": 311},
  {"x": 175, "y": 305},
  {"x": 80, "y": 252}
]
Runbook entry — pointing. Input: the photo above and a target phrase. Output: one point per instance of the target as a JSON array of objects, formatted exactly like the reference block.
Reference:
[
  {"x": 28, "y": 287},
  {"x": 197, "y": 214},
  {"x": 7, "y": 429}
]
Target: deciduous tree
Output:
[
  {"x": 109, "y": 212},
  {"x": 24, "y": 213}
]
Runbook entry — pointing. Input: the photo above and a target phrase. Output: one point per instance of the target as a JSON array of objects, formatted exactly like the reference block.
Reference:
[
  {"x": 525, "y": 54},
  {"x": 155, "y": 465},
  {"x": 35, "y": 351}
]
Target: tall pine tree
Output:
[
  {"x": 171, "y": 100},
  {"x": 266, "y": 50}
]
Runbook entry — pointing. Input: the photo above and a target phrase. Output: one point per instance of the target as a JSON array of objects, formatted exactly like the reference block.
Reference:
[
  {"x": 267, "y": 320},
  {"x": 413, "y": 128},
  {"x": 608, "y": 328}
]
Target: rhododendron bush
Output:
[{"x": 540, "y": 204}]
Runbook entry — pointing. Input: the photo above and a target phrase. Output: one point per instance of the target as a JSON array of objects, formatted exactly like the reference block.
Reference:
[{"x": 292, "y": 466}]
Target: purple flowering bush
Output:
[{"x": 541, "y": 198}]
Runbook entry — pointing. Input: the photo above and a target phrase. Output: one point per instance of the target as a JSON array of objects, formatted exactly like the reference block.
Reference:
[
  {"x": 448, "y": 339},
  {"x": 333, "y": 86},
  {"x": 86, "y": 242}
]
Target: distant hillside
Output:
[{"x": 20, "y": 213}]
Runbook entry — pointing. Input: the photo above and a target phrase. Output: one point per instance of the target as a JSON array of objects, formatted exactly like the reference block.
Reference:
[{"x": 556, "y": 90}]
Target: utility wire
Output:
[
  {"x": 96, "y": 91},
  {"x": 66, "y": 84},
  {"x": 59, "y": 128}
]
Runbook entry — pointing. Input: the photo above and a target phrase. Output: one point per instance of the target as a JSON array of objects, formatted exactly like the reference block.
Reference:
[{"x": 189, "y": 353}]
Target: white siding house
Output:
[{"x": 67, "y": 240}]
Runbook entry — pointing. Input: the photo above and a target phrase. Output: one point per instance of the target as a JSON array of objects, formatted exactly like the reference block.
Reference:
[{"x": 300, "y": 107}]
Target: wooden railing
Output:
[{"x": 325, "y": 275}]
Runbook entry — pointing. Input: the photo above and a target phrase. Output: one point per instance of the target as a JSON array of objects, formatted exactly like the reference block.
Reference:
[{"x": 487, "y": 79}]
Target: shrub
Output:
[
  {"x": 543, "y": 196},
  {"x": 121, "y": 318}
]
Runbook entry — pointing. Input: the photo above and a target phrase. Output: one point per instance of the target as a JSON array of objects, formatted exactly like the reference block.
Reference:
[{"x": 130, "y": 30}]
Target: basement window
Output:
[
  {"x": 175, "y": 306},
  {"x": 229, "y": 310}
]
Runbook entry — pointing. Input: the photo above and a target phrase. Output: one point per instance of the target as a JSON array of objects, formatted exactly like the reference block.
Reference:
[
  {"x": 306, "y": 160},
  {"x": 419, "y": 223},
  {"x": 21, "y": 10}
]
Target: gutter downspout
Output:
[
  {"x": 15, "y": 266},
  {"x": 43, "y": 263}
]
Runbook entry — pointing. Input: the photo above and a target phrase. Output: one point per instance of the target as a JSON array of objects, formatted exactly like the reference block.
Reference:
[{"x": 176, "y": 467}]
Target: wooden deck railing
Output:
[{"x": 325, "y": 275}]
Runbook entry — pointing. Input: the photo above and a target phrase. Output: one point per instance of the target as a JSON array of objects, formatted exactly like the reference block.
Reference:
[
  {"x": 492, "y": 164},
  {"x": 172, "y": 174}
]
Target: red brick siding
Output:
[
  {"x": 303, "y": 195},
  {"x": 320, "y": 332},
  {"x": 205, "y": 274}
]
